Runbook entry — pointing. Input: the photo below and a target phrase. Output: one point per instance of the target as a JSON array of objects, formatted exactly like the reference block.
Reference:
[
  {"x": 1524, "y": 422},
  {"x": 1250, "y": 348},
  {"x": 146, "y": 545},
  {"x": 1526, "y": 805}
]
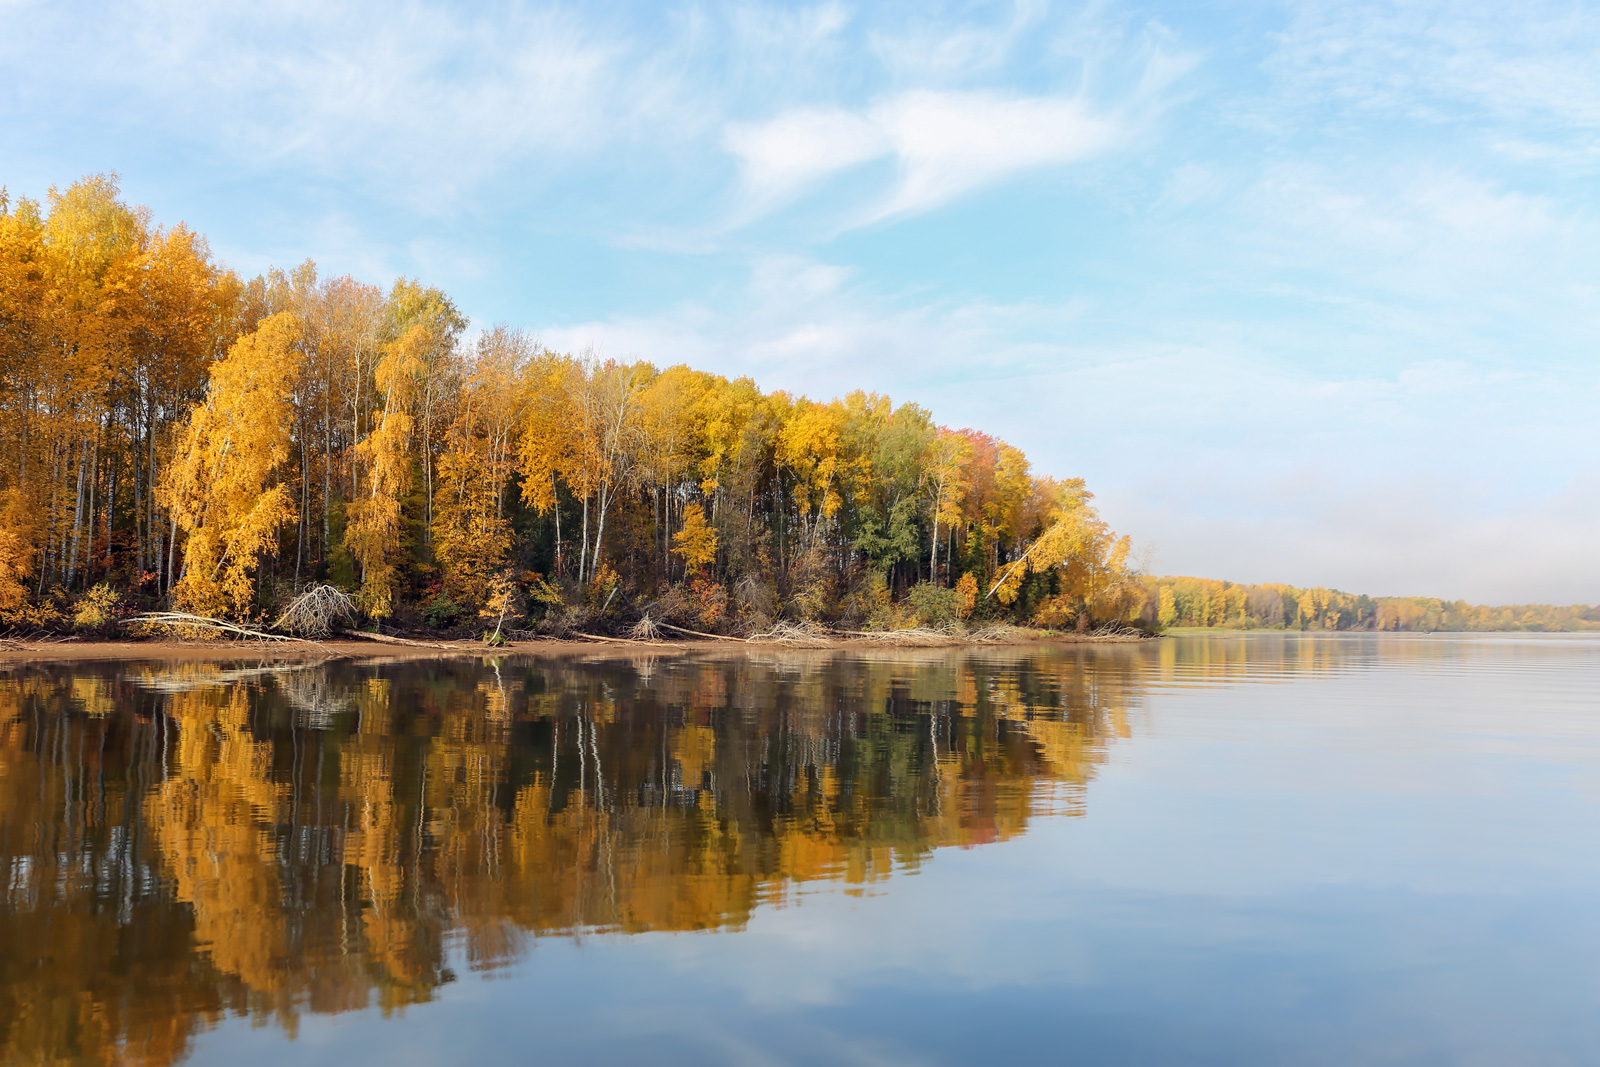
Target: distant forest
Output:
[
  {"x": 179, "y": 437},
  {"x": 1207, "y": 602}
]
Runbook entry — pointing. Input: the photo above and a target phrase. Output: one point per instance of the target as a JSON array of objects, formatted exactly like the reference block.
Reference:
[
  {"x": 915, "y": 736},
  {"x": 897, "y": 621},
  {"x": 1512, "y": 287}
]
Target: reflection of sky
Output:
[
  {"x": 1307, "y": 290},
  {"x": 1393, "y": 862}
]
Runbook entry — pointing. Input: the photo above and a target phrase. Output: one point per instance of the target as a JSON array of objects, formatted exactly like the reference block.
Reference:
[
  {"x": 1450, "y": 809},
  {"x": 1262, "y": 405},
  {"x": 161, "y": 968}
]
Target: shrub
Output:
[
  {"x": 709, "y": 602},
  {"x": 96, "y": 610},
  {"x": 442, "y": 612},
  {"x": 757, "y": 604},
  {"x": 934, "y": 604}
]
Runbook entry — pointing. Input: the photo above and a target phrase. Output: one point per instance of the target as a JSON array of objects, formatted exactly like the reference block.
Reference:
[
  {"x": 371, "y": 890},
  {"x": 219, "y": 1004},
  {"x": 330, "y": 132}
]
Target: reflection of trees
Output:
[{"x": 180, "y": 843}]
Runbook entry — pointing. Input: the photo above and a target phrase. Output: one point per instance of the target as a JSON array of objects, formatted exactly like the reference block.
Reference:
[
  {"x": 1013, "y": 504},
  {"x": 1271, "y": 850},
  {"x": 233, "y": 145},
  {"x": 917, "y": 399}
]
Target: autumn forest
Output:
[{"x": 181, "y": 437}]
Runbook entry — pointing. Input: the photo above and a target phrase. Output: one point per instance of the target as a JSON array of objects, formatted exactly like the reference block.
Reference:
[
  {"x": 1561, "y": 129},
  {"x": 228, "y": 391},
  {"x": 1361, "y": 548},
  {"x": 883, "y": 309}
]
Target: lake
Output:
[{"x": 1252, "y": 848}]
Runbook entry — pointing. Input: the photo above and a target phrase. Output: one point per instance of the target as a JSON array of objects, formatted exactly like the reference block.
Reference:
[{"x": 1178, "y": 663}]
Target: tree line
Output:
[
  {"x": 181, "y": 436},
  {"x": 1211, "y": 603}
]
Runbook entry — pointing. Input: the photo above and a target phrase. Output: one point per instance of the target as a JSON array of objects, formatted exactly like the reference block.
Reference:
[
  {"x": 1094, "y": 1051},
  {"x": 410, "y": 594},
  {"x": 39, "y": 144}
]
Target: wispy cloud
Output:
[
  {"x": 942, "y": 145},
  {"x": 1437, "y": 57},
  {"x": 947, "y": 144},
  {"x": 786, "y": 155},
  {"x": 420, "y": 100},
  {"x": 932, "y": 51}
]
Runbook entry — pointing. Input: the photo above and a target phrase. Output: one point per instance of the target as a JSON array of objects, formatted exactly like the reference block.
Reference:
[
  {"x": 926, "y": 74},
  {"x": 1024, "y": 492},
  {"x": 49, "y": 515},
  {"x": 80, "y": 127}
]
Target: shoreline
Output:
[{"x": 16, "y": 652}]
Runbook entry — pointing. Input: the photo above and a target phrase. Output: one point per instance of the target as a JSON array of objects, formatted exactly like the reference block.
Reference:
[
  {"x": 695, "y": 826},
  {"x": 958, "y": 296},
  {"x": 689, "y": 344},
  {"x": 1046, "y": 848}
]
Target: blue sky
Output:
[{"x": 1308, "y": 292}]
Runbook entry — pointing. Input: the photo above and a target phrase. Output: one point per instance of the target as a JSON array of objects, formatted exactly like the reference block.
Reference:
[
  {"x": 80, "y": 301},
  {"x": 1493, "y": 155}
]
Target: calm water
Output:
[{"x": 1263, "y": 848}]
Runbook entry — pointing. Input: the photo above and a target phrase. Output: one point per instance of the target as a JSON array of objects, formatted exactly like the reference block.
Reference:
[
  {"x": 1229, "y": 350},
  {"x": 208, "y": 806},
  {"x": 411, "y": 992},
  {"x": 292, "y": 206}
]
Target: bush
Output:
[
  {"x": 811, "y": 587},
  {"x": 867, "y": 604},
  {"x": 96, "y": 610},
  {"x": 1055, "y": 613},
  {"x": 441, "y": 612},
  {"x": 709, "y": 602},
  {"x": 934, "y": 604},
  {"x": 756, "y": 603}
]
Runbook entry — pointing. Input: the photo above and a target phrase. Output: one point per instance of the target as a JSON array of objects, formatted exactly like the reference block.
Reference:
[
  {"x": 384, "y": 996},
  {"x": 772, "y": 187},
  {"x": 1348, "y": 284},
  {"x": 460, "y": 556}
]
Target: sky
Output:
[{"x": 1308, "y": 292}]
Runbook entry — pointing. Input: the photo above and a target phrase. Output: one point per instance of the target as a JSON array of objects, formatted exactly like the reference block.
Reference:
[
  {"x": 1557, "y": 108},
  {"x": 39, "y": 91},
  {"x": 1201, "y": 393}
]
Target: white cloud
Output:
[
  {"x": 951, "y": 143},
  {"x": 943, "y": 144},
  {"x": 785, "y": 155}
]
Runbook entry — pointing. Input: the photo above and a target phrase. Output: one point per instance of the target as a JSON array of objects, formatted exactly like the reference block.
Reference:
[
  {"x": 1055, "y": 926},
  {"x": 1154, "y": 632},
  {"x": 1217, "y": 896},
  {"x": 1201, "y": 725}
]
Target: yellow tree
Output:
[
  {"x": 609, "y": 406},
  {"x": 667, "y": 428},
  {"x": 223, "y": 487},
  {"x": 1091, "y": 561},
  {"x": 471, "y": 535},
  {"x": 946, "y": 486},
  {"x": 89, "y": 232},
  {"x": 171, "y": 308},
  {"x": 696, "y": 543},
  {"x": 375, "y": 536},
  {"x": 1167, "y": 607},
  {"x": 426, "y": 321},
  {"x": 1007, "y": 512},
  {"x": 547, "y": 442},
  {"x": 731, "y": 444},
  {"x": 23, "y": 283},
  {"x": 16, "y": 552},
  {"x": 810, "y": 447}
]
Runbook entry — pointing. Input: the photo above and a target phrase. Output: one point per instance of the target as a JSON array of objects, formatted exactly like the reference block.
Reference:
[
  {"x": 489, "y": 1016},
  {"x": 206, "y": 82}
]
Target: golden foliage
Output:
[
  {"x": 696, "y": 543},
  {"x": 471, "y": 535},
  {"x": 375, "y": 532},
  {"x": 224, "y": 487},
  {"x": 16, "y": 552},
  {"x": 967, "y": 596}
]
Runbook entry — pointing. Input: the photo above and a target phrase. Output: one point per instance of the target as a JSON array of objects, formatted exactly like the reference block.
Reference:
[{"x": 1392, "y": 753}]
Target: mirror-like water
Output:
[{"x": 1258, "y": 848}]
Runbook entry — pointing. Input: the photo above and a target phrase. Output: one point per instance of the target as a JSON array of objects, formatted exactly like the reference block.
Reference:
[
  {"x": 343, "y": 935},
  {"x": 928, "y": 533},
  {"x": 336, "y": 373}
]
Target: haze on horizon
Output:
[{"x": 1308, "y": 292}]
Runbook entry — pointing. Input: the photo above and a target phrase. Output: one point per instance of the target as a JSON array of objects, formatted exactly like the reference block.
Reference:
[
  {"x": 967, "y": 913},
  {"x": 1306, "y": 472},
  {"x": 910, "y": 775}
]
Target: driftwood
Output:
[
  {"x": 205, "y": 622},
  {"x": 912, "y": 635},
  {"x": 367, "y": 635},
  {"x": 618, "y": 640},
  {"x": 999, "y": 633},
  {"x": 696, "y": 633}
]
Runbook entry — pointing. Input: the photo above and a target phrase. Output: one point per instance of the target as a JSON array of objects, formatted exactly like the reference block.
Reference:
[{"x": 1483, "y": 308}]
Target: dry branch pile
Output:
[
  {"x": 793, "y": 633},
  {"x": 646, "y": 629},
  {"x": 317, "y": 612},
  {"x": 1000, "y": 633}
]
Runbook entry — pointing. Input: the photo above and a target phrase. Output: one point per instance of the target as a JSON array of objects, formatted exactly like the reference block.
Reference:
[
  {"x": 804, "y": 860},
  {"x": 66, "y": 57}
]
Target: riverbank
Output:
[{"x": 65, "y": 650}]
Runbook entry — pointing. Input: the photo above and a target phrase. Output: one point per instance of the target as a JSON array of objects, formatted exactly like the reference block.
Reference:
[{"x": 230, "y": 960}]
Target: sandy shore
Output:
[
  {"x": 15, "y": 651},
  {"x": 46, "y": 650}
]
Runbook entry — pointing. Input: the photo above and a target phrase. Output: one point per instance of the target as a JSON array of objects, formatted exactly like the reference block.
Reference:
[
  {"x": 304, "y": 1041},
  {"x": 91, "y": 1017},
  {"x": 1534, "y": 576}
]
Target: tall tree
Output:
[{"x": 225, "y": 486}]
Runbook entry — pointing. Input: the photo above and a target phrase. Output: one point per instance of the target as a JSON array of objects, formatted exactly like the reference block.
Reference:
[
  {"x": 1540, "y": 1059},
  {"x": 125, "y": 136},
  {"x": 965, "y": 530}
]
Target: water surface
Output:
[{"x": 1258, "y": 848}]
